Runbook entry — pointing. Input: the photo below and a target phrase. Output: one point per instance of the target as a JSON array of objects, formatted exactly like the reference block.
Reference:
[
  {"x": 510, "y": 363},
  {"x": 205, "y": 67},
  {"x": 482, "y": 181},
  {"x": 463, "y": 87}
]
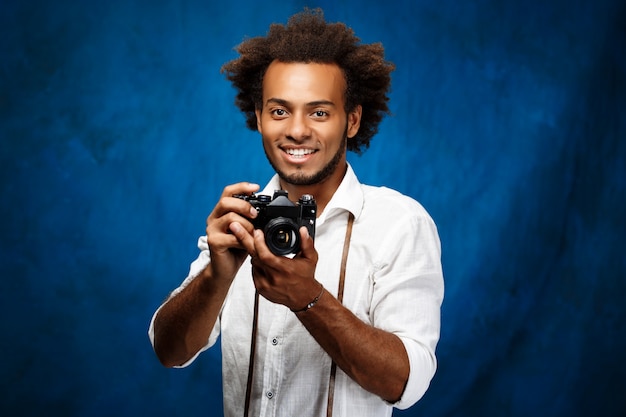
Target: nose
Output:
[{"x": 298, "y": 128}]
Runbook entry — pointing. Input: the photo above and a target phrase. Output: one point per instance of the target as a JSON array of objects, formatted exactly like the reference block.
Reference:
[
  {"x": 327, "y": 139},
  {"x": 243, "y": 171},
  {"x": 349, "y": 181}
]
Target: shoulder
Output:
[{"x": 384, "y": 202}]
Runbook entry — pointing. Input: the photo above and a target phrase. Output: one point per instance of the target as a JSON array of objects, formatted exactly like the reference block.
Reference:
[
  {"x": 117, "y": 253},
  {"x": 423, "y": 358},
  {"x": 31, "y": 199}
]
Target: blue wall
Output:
[{"x": 117, "y": 134}]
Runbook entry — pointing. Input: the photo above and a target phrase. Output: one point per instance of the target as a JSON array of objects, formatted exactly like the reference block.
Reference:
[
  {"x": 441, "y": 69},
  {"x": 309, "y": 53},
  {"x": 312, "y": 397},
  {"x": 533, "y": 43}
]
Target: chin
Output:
[{"x": 298, "y": 179}]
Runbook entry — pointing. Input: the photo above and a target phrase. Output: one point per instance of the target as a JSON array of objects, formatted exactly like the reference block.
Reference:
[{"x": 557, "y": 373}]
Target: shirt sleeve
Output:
[
  {"x": 196, "y": 267},
  {"x": 407, "y": 297}
]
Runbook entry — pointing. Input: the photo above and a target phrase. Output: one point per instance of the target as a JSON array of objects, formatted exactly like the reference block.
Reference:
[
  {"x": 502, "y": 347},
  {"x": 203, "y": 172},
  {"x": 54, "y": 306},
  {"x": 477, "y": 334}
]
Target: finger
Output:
[
  {"x": 233, "y": 205},
  {"x": 217, "y": 238},
  {"x": 240, "y": 188},
  {"x": 262, "y": 250},
  {"x": 218, "y": 225},
  {"x": 244, "y": 237},
  {"x": 228, "y": 203},
  {"x": 306, "y": 244}
]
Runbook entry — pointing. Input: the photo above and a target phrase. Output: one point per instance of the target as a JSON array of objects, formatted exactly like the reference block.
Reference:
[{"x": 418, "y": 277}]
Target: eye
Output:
[
  {"x": 320, "y": 114},
  {"x": 278, "y": 113}
]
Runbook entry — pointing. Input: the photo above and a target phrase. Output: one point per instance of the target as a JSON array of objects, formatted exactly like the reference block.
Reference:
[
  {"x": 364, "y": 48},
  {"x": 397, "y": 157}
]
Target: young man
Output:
[{"x": 347, "y": 326}]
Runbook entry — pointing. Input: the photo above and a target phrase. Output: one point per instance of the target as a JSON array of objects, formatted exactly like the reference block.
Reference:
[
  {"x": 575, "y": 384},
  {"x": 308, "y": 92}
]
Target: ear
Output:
[
  {"x": 354, "y": 121},
  {"x": 258, "y": 120}
]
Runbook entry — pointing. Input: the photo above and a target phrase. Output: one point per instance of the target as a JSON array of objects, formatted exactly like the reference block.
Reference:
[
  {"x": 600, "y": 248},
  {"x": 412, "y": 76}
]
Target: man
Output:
[{"x": 347, "y": 326}]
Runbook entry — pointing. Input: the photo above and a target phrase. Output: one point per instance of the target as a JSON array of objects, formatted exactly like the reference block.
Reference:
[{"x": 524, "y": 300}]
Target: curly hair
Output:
[{"x": 308, "y": 38}]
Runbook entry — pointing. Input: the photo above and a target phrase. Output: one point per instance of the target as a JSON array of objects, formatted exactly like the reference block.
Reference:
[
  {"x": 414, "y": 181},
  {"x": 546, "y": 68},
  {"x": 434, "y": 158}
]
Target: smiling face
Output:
[{"x": 304, "y": 124}]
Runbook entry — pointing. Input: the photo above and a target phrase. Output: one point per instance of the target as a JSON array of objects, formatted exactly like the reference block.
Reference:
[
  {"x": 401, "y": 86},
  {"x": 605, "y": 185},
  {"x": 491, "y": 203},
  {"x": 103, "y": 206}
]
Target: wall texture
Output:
[{"x": 117, "y": 134}]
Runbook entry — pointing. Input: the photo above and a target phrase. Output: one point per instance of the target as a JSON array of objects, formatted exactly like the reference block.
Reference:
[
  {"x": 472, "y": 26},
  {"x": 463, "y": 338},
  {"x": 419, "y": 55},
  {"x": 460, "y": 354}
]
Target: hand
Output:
[
  {"x": 279, "y": 279},
  {"x": 230, "y": 215}
]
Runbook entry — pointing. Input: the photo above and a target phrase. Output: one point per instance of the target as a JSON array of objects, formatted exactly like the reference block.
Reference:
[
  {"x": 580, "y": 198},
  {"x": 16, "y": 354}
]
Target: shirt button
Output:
[
  {"x": 275, "y": 341},
  {"x": 269, "y": 394}
]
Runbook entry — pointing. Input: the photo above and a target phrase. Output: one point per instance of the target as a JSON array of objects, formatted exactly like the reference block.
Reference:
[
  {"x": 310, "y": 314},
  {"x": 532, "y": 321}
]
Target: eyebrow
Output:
[{"x": 286, "y": 103}]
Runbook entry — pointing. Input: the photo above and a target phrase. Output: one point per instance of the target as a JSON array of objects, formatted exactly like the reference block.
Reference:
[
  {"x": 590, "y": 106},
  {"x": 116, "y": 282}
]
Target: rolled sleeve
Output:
[{"x": 408, "y": 292}]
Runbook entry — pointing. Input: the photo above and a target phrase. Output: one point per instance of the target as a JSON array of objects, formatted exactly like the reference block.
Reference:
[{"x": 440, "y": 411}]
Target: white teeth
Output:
[{"x": 299, "y": 152}]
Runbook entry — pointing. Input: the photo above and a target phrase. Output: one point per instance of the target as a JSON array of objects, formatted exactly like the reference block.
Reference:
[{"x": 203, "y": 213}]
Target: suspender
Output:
[
  {"x": 255, "y": 321},
  {"x": 333, "y": 368},
  {"x": 342, "y": 279}
]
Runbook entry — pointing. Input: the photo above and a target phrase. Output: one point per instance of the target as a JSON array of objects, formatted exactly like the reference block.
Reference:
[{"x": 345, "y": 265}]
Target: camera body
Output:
[{"x": 280, "y": 219}]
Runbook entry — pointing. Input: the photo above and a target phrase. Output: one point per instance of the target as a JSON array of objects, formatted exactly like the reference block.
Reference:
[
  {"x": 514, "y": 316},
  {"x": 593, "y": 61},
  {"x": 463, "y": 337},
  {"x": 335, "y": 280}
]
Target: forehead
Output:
[{"x": 297, "y": 81}]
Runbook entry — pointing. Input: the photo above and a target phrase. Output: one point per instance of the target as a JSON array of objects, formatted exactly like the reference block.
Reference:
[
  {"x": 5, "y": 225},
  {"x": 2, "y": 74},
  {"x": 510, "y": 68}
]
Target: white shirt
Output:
[{"x": 393, "y": 281}]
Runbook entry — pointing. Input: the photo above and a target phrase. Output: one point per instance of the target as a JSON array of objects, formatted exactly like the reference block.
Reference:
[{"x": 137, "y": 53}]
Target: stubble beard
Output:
[{"x": 301, "y": 179}]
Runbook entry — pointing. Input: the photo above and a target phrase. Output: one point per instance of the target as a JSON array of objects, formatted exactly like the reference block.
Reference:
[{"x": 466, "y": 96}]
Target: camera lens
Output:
[{"x": 282, "y": 236}]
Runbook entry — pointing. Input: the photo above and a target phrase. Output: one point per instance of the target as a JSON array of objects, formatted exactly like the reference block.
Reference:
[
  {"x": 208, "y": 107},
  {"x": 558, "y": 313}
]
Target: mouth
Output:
[{"x": 298, "y": 153}]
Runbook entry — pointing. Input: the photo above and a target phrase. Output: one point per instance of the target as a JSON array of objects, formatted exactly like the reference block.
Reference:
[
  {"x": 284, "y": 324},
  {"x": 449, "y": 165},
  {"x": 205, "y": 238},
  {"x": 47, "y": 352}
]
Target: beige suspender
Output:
[
  {"x": 342, "y": 279},
  {"x": 252, "y": 351}
]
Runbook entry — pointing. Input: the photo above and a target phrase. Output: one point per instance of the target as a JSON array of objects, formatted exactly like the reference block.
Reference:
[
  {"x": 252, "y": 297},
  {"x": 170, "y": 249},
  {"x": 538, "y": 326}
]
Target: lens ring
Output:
[{"x": 282, "y": 236}]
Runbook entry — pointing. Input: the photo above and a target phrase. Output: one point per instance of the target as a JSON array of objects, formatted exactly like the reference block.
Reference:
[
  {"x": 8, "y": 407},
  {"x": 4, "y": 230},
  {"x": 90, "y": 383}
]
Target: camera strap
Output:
[
  {"x": 333, "y": 367},
  {"x": 255, "y": 321},
  {"x": 342, "y": 279}
]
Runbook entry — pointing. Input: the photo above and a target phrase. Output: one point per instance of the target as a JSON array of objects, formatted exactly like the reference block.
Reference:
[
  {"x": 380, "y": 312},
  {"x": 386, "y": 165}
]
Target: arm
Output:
[
  {"x": 184, "y": 322},
  {"x": 373, "y": 358}
]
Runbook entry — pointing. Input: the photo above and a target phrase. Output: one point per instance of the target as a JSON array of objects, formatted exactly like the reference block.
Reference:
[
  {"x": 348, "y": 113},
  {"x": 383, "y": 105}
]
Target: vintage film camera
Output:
[{"x": 280, "y": 219}]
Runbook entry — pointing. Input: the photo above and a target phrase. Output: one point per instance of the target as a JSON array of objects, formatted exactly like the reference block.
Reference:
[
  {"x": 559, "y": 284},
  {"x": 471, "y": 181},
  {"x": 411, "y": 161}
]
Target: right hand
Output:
[{"x": 231, "y": 215}]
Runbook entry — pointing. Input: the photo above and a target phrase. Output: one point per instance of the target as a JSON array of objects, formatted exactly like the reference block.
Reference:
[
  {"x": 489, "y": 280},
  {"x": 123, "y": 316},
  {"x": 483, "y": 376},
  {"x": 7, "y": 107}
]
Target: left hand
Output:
[{"x": 290, "y": 282}]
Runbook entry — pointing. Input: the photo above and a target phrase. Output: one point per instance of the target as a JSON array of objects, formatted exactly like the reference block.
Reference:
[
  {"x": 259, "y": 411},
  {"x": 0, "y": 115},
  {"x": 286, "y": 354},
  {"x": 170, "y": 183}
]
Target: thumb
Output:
[{"x": 307, "y": 247}]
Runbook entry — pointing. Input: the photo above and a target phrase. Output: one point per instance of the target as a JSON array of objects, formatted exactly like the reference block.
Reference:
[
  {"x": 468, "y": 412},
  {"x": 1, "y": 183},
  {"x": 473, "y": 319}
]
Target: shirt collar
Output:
[{"x": 348, "y": 196}]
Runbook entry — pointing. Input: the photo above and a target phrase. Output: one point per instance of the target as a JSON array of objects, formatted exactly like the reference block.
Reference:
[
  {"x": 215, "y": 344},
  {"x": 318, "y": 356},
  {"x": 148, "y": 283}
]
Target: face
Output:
[{"x": 304, "y": 124}]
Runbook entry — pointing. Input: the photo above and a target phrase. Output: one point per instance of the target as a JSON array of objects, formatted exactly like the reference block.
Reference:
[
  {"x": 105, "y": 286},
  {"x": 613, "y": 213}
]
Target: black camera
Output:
[{"x": 280, "y": 219}]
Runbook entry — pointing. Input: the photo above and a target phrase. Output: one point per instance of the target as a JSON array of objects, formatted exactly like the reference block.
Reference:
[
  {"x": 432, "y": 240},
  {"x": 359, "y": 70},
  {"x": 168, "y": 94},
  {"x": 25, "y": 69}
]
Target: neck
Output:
[{"x": 321, "y": 191}]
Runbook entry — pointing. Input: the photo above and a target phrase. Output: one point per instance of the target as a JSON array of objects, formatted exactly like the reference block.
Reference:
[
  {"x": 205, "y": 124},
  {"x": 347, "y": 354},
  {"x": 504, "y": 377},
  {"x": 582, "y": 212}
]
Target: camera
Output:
[{"x": 280, "y": 219}]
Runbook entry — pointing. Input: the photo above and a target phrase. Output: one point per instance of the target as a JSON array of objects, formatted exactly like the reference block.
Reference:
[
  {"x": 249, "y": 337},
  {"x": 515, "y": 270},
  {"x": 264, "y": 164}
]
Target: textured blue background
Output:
[{"x": 117, "y": 134}]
